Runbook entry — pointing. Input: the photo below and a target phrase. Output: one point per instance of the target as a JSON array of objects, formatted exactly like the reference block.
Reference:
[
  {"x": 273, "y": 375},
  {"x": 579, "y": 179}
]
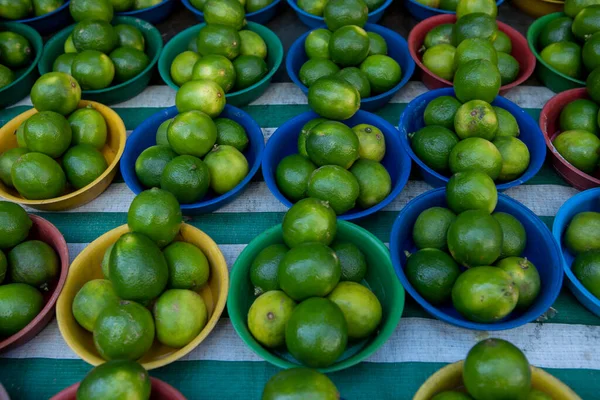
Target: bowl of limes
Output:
[
  {"x": 296, "y": 301},
  {"x": 375, "y": 60},
  {"x": 45, "y": 16},
  {"x": 153, "y": 11},
  {"x": 34, "y": 261},
  {"x": 112, "y": 62},
  {"x": 312, "y": 13},
  {"x": 423, "y": 9},
  {"x": 495, "y": 263},
  {"x": 257, "y": 11},
  {"x": 576, "y": 228},
  {"x": 436, "y": 130}
]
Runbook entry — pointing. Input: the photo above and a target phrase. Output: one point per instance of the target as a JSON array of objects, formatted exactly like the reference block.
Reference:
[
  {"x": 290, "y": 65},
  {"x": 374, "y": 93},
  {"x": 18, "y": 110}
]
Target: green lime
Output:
[
  {"x": 433, "y": 145},
  {"x": 188, "y": 266},
  {"x": 525, "y": 276},
  {"x": 142, "y": 4},
  {"x": 509, "y": 68},
  {"x": 187, "y": 177},
  {"x": 557, "y": 30},
  {"x": 515, "y": 157},
  {"x": 475, "y": 25},
  {"x": 565, "y": 57},
  {"x": 476, "y": 118},
  {"x": 377, "y": 44},
  {"x": 179, "y": 315},
  {"x": 340, "y": 13},
  {"x": 336, "y": 186},
  {"x": 439, "y": 59},
  {"x": 34, "y": 263},
  {"x": 7, "y": 160},
  {"x": 38, "y": 177},
  {"x": 374, "y": 182},
  {"x": 316, "y": 44},
  {"x": 95, "y": 35},
  {"x": 361, "y": 308},
  {"x": 263, "y": 271},
  {"x": 432, "y": 272},
  {"x": 219, "y": 39},
  {"x": 130, "y": 36},
  {"x": 477, "y": 154},
  {"x": 63, "y": 63},
  {"x": 114, "y": 379},
  {"x": 14, "y": 224},
  {"x": 383, "y": 72},
  {"x": 225, "y": 12},
  {"x": 309, "y": 220},
  {"x": 193, "y": 44},
  {"x": 593, "y": 85},
  {"x": 373, "y": 5},
  {"x": 182, "y": 67},
  {"x": 371, "y": 142},
  {"x": 538, "y": 395},
  {"x": 431, "y": 228},
  {"x": 358, "y": 79},
  {"x": 507, "y": 123},
  {"x": 572, "y": 7},
  {"x": 591, "y": 52},
  {"x": 332, "y": 143},
  {"x": 43, "y": 7},
  {"x": 56, "y": 91},
  {"x": 466, "y": 7},
  {"x": 91, "y": 300},
  {"x": 586, "y": 22},
  {"x": 580, "y": 114},
  {"x": 156, "y": 214},
  {"x": 15, "y": 50},
  {"x": 205, "y": 96},
  {"x": 300, "y": 383},
  {"x": 215, "y": 68},
  {"x": 316, "y": 68},
  {"x": 122, "y": 5},
  {"x": 161, "y": 133},
  {"x": 88, "y": 126},
  {"x": 231, "y": 133},
  {"x": 441, "y": 34},
  {"x": 93, "y": 70},
  {"x": 475, "y": 238},
  {"x": 582, "y": 233},
  {"x": 227, "y": 166},
  {"x": 441, "y": 111},
  {"x": 292, "y": 176},
  {"x": 192, "y": 133},
  {"x": 268, "y": 316},
  {"x": 20, "y": 133},
  {"x": 334, "y": 98},
  {"x": 249, "y": 70},
  {"x": 586, "y": 268},
  {"x": 83, "y": 164},
  {"x": 19, "y": 305},
  {"x": 304, "y": 134},
  {"x": 352, "y": 261},
  {"x": 128, "y": 63},
  {"x": 471, "y": 190},
  {"x": 11, "y": 9},
  {"x": 451, "y": 396},
  {"x": 150, "y": 165},
  {"x": 477, "y": 80},
  {"x": 82, "y": 9},
  {"x": 349, "y": 46},
  {"x": 6, "y": 76},
  {"x": 251, "y": 44},
  {"x": 3, "y": 266},
  {"x": 314, "y": 7},
  {"x": 69, "y": 46},
  {"x": 502, "y": 43},
  {"x": 49, "y": 133},
  {"x": 580, "y": 148},
  {"x": 475, "y": 49},
  {"x": 106, "y": 261},
  {"x": 514, "y": 237}
]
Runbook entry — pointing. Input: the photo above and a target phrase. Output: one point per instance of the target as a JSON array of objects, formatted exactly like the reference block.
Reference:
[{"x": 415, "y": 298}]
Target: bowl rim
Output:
[
  {"x": 166, "y": 74},
  {"x": 37, "y": 44},
  {"x": 396, "y": 249},
  {"x": 298, "y": 10},
  {"x": 69, "y": 393},
  {"x": 439, "y": 10},
  {"x": 298, "y": 45},
  {"x": 393, "y": 137},
  {"x": 63, "y": 255},
  {"x": 503, "y": 103},
  {"x": 36, "y": 19},
  {"x": 199, "y": 13},
  {"x": 135, "y": 13},
  {"x": 118, "y": 19},
  {"x": 238, "y": 321},
  {"x": 451, "y": 18},
  {"x": 538, "y": 24},
  {"x": 122, "y": 134}
]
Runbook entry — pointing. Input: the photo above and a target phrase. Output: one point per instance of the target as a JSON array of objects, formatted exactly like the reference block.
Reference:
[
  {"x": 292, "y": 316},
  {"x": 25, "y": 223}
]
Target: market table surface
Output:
[{"x": 564, "y": 341}]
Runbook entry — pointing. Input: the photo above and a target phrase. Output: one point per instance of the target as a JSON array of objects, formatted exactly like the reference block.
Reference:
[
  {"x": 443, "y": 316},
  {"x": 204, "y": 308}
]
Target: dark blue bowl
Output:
[
  {"x": 48, "y": 23},
  {"x": 284, "y": 142},
  {"x": 412, "y": 120},
  {"x": 397, "y": 49},
  {"x": 154, "y": 14},
  {"x": 144, "y": 136},
  {"x": 260, "y": 17},
  {"x": 584, "y": 201},
  {"x": 542, "y": 250},
  {"x": 420, "y": 11},
  {"x": 313, "y": 21}
]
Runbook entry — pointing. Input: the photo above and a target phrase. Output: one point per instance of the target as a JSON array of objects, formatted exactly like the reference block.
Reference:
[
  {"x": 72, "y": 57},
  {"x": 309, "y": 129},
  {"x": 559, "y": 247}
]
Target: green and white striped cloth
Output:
[{"x": 565, "y": 341}]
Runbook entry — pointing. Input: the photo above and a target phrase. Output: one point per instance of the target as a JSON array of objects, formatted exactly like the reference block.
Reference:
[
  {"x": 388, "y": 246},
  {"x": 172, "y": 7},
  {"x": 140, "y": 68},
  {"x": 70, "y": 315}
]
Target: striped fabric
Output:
[{"x": 564, "y": 341}]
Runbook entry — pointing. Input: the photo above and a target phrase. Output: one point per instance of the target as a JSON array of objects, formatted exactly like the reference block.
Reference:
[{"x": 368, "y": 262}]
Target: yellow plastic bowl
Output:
[
  {"x": 450, "y": 378},
  {"x": 87, "y": 266},
  {"x": 539, "y": 8},
  {"x": 112, "y": 151}
]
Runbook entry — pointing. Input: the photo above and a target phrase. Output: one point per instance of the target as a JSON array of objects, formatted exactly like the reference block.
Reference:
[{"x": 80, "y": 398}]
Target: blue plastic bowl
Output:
[
  {"x": 154, "y": 14},
  {"x": 420, "y": 11},
  {"x": 412, "y": 120},
  {"x": 260, "y": 17},
  {"x": 584, "y": 201},
  {"x": 144, "y": 136},
  {"x": 49, "y": 23},
  {"x": 313, "y": 21},
  {"x": 284, "y": 142},
  {"x": 542, "y": 250},
  {"x": 397, "y": 49}
]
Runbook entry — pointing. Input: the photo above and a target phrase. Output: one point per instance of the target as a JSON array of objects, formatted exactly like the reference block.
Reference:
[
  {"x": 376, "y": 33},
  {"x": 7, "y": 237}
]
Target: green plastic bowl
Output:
[
  {"x": 552, "y": 79},
  {"x": 381, "y": 279},
  {"x": 179, "y": 44},
  {"x": 122, "y": 91},
  {"x": 25, "y": 77}
]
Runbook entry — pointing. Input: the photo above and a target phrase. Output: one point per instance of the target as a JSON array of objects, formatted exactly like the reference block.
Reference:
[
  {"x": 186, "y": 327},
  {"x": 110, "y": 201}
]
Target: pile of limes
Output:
[
  {"x": 98, "y": 54},
  {"x": 57, "y": 146},
  {"x": 471, "y": 136},
  {"x": 116, "y": 379},
  {"x": 15, "y": 53},
  {"x": 340, "y": 9},
  {"x": 145, "y": 267},
  {"x": 336, "y": 164},
  {"x": 303, "y": 383},
  {"x": 250, "y": 6},
  {"x": 311, "y": 297},
  {"x": 28, "y": 268},
  {"x": 582, "y": 238},
  {"x": 223, "y": 52},
  {"x": 472, "y": 49},
  {"x": 21, "y": 9},
  {"x": 469, "y": 234}
]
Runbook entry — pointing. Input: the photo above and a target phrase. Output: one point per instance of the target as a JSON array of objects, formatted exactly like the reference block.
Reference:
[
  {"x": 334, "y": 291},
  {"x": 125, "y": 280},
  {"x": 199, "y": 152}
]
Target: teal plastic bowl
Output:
[
  {"x": 179, "y": 44},
  {"x": 122, "y": 91},
  {"x": 25, "y": 77}
]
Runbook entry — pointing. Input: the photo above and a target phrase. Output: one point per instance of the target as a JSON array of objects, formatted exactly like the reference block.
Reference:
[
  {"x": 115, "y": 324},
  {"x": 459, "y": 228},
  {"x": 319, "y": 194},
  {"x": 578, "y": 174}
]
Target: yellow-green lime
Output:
[
  {"x": 377, "y": 44},
  {"x": 231, "y": 133},
  {"x": 263, "y": 271},
  {"x": 361, "y": 308},
  {"x": 130, "y": 36},
  {"x": 507, "y": 123},
  {"x": 471, "y": 190},
  {"x": 188, "y": 266},
  {"x": 38, "y": 177},
  {"x": 433, "y": 145},
  {"x": 340, "y": 13},
  {"x": 314, "y": 7},
  {"x": 565, "y": 57},
  {"x": 88, "y": 126},
  {"x": 142, "y": 4},
  {"x": 161, "y": 133},
  {"x": 514, "y": 237},
  {"x": 334, "y": 98},
  {"x": 335, "y": 185},
  {"x": 14, "y": 224},
  {"x": 63, "y": 63},
  {"x": 252, "y": 44},
  {"x": 371, "y": 142},
  {"x": 106, "y": 261},
  {"x": 476, "y": 118},
  {"x": 292, "y": 176},
  {"x": 179, "y": 316},
  {"x": 477, "y": 80},
  {"x": 580, "y": 148},
  {"x": 203, "y": 95},
  {"x": 466, "y": 7},
  {"x": 502, "y": 43},
  {"x": 93, "y": 70},
  {"x": 215, "y": 68},
  {"x": 309, "y": 220},
  {"x": 182, "y": 67},
  {"x": 432, "y": 273},
  {"x": 91, "y": 300},
  {"x": 374, "y": 182},
  {"x": 192, "y": 133},
  {"x": 316, "y": 44},
  {"x": 439, "y": 59},
  {"x": 43, "y": 7},
  {"x": 383, "y": 72},
  {"x": 268, "y": 317},
  {"x": 316, "y": 68},
  {"x": 441, "y": 111},
  {"x": 187, "y": 177},
  {"x": 304, "y": 134},
  {"x": 431, "y": 228},
  {"x": 476, "y": 154},
  {"x": 227, "y": 166},
  {"x": 56, "y": 91},
  {"x": 116, "y": 378},
  {"x": 515, "y": 157},
  {"x": 19, "y": 305},
  {"x": 83, "y": 164},
  {"x": 20, "y": 133},
  {"x": 538, "y": 395},
  {"x": 49, "y": 133},
  {"x": 475, "y": 49},
  {"x": 7, "y": 159},
  {"x": 11, "y": 9},
  {"x": 526, "y": 278},
  {"x": 69, "y": 46}
]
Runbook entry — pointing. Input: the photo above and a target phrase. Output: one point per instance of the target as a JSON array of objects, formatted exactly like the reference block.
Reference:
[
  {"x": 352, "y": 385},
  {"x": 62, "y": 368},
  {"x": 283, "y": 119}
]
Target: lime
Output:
[
  {"x": 299, "y": 384},
  {"x": 314, "y": 7},
  {"x": 334, "y": 98},
  {"x": 371, "y": 142},
  {"x": 515, "y": 157},
  {"x": 19, "y": 305},
  {"x": 431, "y": 228},
  {"x": 475, "y": 238},
  {"x": 179, "y": 315},
  {"x": 219, "y": 39},
  {"x": 106, "y": 261},
  {"x": 580, "y": 148},
  {"x": 509, "y": 68},
  {"x": 142, "y": 4},
  {"x": 332, "y": 143},
  {"x": 439, "y": 59},
  {"x": 215, "y": 68},
  {"x": 572, "y": 7},
  {"x": 582, "y": 233},
  {"x": 586, "y": 22},
  {"x": 507, "y": 123},
  {"x": 161, "y": 133},
  {"x": 63, "y": 63},
  {"x": 441, "y": 111},
  {"x": 502, "y": 43},
  {"x": 15, "y": 50},
  {"x": 304, "y": 134},
  {"x": 433, "y": 145},
  {"x": 538, "y": 395},
  {"x": 231, "y": 133},
  {"x": 187, "y": 177},
  {"x": 3, "y": 266},
  {"x": 525, "y": 276},
  {"x": 565, "y": 57},
  {"x": 249, "y": 70},
  {"x": 377, "y": 44},
  {"x": 91, "y": 300},
  {"x": 225, "y": 12},
  {"x": 6, "y": 76},
  {"x": 374, "y": 4},
  {"x": 38, "y": 177},
  {"x": 182, "y": 67},
  {"x": 441, "y": 34},
  {"x": 471, "y": 190},
  {"x": 292, "y": 175},
  {"x": 7, "y": 159},
  {"x": 586, "y": 268},
  {"x": 192, "y": 133},
  {"x": 316, "y": 44},
  {"x": 11, "y": 9},
  {"x": 374, "y": 181},
  {"x": 557, "y": 30},
  {"x": 227, "y": 167},
  {"x": 88, "y": 127},
  {"x": 475, "y": 49},
  {"x": 82, "y": 9},
  {"x": 48, "y": 132},
  {"x": 128, "y": 63},
  {"x": 451, "y": 396},
  {"x": 475, "y": 25},
  {"x": 580, "y": 114},
  {"x": 34, "y": 263},
  {"x": 20, "y": 133},
  {"x": 156, "y": 214},
  {"x": 93, "y": 70},
  {"x": 593, "y": 85},
  {"x": 83, "y": 164},
  {"x": 263, "y": 271},
  {"x": 358, "y": 79},
  {"x": 94, "y": 35},
  {"x": 130, "y": 36},
  {"x": 14, "y": 224},
  {"x": 336, "y": 186},
  {"x": 349, "y": 46},
  {"x": 268, "y": 317},
  {"x": 150, "y": 165},
  {"x": 477, "y": 80},
  {"x": 56, "y": 91},
  {"x": 514, "y": 237},
  {"x": 476, "y": 118},
  {"x": 432, "y": 272},
  {"x": 479, "y": 155},
  {"x": 69, "y": 46},
  {"x": 340, "y": 13},
  {"x": 591, "y": 52},
  {"x": 317, "y": 68},
  {"x": 309, "y": 220},
  {"x": 188, "y": 266},
  {"x": 193, "y": 45},
  {"x": 360, "y": 307},
  {"x": 113, "y": 379},
  {"x": 383, "y": 72},
  {"x": 466, "y": 7},
  {"x": 352, "y": 261},
  {"x": 205, "y": 96}
]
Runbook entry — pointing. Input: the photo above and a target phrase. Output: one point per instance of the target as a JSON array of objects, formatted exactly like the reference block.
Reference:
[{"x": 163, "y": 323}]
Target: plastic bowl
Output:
[
  {"x": 552, "y": 79},
  {"x": 25, "y": 77},
  {"x": 450, "y": 378},
  {"x": 144, "y": 136},
  {"x": 520, "y": 52},
  {"x": 380, "y": 278},
  {"x": 115, "y": 93},
  {"x": 421, "y": 11},
  {"x": 160, "y": 391},
  {"x": 261, "y": 16},
  {"x": 284, "y": 142},
  {"x": 51, "y": 22},
  {"x": 585, "y": 201},
  {"x": 46, "y": 232},
  {"x": 550, "y": 125},
  {"x": 179, "y": 44},
  {"x": 542, "y": 250},
  {"x": 313, "y": 21},
  {"x": 154, "y": 14},
  {"x": 412, "y": 120},
  {"x": 87, "y": 266},
  {"x": 539, "y": 8},
  {"x": 397, "y": 49},
  {"x": 112, "y": 151}
]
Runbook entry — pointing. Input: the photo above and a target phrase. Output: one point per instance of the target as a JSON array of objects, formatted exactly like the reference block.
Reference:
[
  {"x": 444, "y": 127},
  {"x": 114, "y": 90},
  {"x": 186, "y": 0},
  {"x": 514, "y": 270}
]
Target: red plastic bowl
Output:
[
  {"x": 160, "y": 391},
  {"x": 549, "y": 123},
  {"x": 520, "y": 51},
  {"x": 46, "y": 232}
]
